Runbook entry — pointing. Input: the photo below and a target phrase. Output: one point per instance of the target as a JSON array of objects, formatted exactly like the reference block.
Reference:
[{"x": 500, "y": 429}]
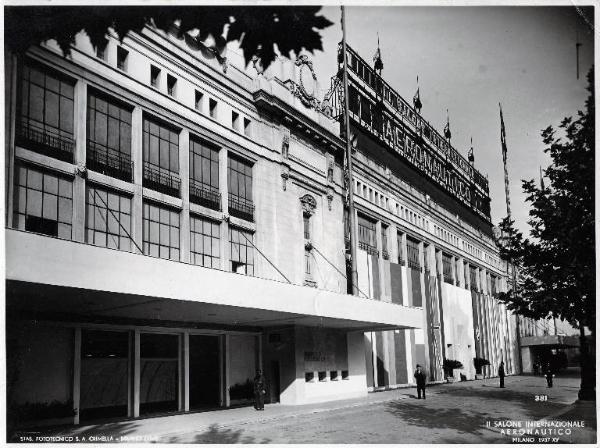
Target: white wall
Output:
[{"x": 458, "y": 327}]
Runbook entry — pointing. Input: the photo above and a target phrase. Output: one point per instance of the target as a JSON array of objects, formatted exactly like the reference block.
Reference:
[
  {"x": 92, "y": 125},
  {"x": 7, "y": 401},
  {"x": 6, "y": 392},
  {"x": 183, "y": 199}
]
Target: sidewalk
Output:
[{"x": 160, "y": 428}]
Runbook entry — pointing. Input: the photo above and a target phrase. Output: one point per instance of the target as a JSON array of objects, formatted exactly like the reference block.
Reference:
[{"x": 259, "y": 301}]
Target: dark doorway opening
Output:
[
  {"x": 204, "y": 372},
  {"x": 159, "y": 373},
  {"x": 104, "y": 374},
  {"x": 275, "y": 382}
]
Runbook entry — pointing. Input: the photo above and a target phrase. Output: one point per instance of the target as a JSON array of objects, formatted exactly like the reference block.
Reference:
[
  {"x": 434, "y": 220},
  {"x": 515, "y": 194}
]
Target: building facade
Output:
[
  {"x": 425, "y": 239},
  {"x": 175, "y": 222}
]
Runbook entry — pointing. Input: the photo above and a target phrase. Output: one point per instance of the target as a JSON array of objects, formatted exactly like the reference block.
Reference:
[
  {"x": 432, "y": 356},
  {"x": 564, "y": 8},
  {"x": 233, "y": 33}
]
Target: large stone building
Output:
[{"x": 175, "y": 222}]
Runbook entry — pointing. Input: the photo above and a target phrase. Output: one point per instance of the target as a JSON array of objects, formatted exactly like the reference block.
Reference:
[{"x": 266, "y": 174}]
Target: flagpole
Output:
[
  {"x": 350, "y": 181},
  {"x": 508, "y": 213}
]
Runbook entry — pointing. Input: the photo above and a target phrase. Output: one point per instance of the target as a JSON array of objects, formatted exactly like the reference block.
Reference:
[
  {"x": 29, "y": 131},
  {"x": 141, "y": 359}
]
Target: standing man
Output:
[
  {"x": 501, "y": 374},
  {"x": 549, "y": 374},
  {"x": 259, "y": 391},
  {"x": 420, "y": 377}
]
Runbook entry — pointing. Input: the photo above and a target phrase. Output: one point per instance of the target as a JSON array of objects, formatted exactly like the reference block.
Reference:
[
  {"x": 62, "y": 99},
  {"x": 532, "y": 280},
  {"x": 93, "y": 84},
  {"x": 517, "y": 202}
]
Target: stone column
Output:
[
  {"x": 184, "y": 175},
  {"x": 137, "y": 157},
  {"x": 79, "y": 158},
  {"x": 224, "y": 227}
]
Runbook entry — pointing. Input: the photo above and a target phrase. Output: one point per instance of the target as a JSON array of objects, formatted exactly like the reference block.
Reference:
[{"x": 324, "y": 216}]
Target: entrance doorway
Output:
[
  {"x": 276, "y": 382},
  {"x": 204, "y": 372},
  {"x": 159, "y": 373},
  {"x": 104, "y": 374}
]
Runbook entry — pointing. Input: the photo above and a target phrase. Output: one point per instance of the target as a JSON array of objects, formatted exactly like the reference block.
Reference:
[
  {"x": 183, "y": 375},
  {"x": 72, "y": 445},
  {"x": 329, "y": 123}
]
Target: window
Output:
[
  {"x": 412, "y": 253},
  {"x": 102, "y": 50},
  {"x": 45, "y": 122},
  {"x": 399, "y": 242},
  {"x": 122, "y": 57},
  {"x": 204, "y": 174},
  {"x": 473, "y": 276},
  {"x": 235, "y": 120},
  {"x": 198, "y": 100},
  {"x": 109, "y": 137},
  {"x": 384, "y": 243},
  {"x": 154, "y": 76},
  {"x": 247, "y": 129},
  {"x": 43, "y": 202},
  {"x": 205, "y": 242},
  {"x": 161, "y": 158},
  {"x": 366, "y": 235},
  {"x": 323, "y": 376},
  {"x": 447, "y": 268},
  {"x": 241, "y": 251},
  {"x": 212, "y": 108},
  {"x": 239, "y": 179},
  {"x": 494, "y": 280},
  {"x": 306, "y": 221},
  {"x": 309, "y": 377},
  {"x": 108, "y": 219},
  {"x": 171, "y": 85},
  {"x": 345, "y": 375},
  {"x": 333, "y": 375},
  {"x": 160, "y": 231}
]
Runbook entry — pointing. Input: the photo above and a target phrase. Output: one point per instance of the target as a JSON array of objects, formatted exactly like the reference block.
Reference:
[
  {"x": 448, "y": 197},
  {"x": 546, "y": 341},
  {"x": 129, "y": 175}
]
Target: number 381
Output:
[{"x": 541, "y": 398}]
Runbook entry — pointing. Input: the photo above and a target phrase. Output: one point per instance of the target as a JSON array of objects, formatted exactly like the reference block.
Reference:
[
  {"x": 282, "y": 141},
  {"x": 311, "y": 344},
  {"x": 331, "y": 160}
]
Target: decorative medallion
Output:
[{"x": 309, "y": 204}]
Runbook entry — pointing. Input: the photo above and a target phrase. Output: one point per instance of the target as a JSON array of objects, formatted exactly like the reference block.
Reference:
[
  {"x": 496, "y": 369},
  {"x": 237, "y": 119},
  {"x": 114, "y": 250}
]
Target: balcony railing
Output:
[
  {"x": 371, "y": 250},
  {"x": 205, "y": 195},
  {"x": 118, "y": 165},
  {"x": 40, "y": 141},
  {"x": 241, "y": 208},
  {"x": 165, "y": 182}
]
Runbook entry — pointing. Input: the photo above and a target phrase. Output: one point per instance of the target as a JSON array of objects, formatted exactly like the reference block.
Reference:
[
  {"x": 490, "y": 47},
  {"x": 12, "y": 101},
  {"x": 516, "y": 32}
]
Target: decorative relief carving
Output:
[{"x": 309, "y": 204}]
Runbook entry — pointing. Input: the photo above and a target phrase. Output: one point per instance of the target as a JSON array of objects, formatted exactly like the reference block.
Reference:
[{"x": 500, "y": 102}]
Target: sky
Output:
[{"x": 469, "y": 59}]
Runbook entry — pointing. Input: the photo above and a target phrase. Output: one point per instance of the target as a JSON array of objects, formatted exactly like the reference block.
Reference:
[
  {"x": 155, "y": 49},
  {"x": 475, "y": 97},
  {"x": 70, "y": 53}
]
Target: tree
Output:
[
  {"x": 556, "y": 264},
  {"x": 259, "y": 29}
]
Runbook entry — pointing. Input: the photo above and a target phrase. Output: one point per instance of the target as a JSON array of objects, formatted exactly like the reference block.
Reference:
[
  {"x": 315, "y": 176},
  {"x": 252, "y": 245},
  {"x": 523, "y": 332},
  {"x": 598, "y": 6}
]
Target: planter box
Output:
[
  {"x": 241, "y": 401},
  {"x": 450, "y": 379},
  {"x": 479, "y": 376}
]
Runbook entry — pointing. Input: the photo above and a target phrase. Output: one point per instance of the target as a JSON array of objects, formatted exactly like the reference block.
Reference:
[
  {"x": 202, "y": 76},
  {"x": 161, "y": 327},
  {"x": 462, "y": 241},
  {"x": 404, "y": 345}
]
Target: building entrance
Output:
[
  {"x": 204, "y": 372},
  {"x": 159, "y": 373},
  {"x": 104, "y": 374}
]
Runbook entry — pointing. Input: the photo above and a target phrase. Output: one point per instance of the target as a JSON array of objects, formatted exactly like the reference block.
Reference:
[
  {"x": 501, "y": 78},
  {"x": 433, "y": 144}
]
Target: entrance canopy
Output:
[{"x": 62, "y": 278}]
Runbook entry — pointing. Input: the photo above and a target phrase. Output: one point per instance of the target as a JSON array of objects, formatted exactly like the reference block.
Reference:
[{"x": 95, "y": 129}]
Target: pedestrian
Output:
[
  {"x": 259, "y": 391},
  {"x": 536, "y": 368},
  {"x": 501, "y": 374},
  {"x": 549, "y": 374},
  {"x": 420, "y": 377}
]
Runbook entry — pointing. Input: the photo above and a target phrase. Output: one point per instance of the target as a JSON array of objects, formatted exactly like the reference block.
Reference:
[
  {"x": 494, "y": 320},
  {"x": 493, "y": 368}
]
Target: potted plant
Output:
[
  {"x": 479, "y": 363},
  {"x": 241, "y": 393},
  {"x": 449, "y": 366}
]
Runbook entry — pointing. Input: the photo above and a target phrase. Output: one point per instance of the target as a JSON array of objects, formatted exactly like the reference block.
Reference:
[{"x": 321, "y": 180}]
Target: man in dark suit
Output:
[
  {"x": 501, "y": 373},
  {"x": 259, "y": 391},
  {"x": 420, "y": 378}
]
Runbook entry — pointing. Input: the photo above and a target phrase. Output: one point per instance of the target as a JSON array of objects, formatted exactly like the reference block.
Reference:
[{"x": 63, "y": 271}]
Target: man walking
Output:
[
  {"x": 420, "y": 378},
  {"x": 501, "y": 374},
  {"x": 259, "y": 391},
  {"x": 549, "y": 374}
]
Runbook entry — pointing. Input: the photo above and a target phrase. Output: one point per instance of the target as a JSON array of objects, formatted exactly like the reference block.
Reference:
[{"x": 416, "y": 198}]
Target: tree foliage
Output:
[
  {"x": 258, "y": 28},
  {"x": 556, "y": 264}
]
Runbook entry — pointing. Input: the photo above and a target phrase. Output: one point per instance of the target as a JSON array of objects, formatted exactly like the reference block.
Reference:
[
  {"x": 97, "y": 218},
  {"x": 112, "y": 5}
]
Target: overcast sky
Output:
[{"x": 468, "y": 59}]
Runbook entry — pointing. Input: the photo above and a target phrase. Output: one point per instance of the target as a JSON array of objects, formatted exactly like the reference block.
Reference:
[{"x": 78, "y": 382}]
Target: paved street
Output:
[{"x": 452, "y": 413}]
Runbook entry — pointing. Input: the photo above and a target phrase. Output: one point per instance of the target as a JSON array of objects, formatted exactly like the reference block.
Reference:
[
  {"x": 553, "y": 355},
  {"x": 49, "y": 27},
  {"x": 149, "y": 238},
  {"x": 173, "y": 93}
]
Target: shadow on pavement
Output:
[
  {"x": 114, "y": 430},
  {"x": 526, "y": 400},
  {"x": 446, "y": 418},
  {"x": 218, "y": 435}
]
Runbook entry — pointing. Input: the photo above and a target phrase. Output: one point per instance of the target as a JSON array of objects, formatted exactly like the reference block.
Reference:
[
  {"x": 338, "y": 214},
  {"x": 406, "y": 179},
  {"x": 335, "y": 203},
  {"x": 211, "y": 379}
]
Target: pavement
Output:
[{"x": 463, "y": 412}]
